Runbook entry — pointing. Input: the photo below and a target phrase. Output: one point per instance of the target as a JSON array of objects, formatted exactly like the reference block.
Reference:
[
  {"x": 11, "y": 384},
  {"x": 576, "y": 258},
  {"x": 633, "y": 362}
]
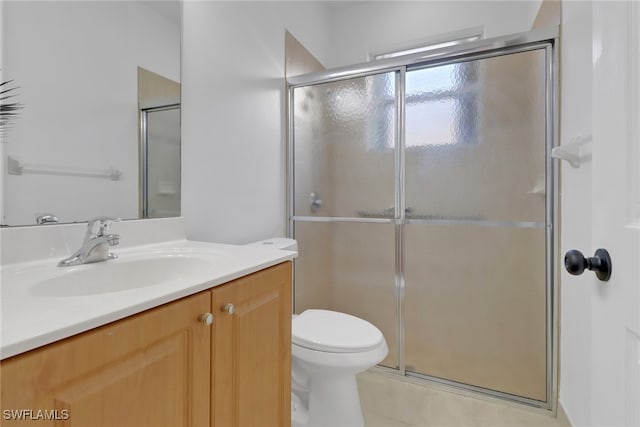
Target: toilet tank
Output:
[{"x": 277, "y": 242}]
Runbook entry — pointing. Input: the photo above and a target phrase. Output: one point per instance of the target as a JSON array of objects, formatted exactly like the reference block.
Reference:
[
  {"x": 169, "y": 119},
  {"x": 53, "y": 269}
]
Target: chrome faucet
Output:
[{"x": 96, "y": 243}]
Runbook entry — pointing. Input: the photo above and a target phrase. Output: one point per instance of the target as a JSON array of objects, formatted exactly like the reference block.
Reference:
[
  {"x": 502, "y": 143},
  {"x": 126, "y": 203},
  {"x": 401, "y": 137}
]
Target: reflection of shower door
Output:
[
  {"x": 160, "y": 161},
  {"x": 421, "y": 198}
]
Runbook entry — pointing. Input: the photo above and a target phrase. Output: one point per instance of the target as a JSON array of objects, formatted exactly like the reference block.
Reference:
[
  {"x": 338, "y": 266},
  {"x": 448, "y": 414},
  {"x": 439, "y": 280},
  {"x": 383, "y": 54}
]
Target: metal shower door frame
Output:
[{"x": 542, "y": 39}]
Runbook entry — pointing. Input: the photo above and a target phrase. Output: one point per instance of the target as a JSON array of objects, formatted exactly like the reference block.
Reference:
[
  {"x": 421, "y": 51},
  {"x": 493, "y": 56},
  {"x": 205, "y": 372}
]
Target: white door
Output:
[{"x": 615, "y": 322}]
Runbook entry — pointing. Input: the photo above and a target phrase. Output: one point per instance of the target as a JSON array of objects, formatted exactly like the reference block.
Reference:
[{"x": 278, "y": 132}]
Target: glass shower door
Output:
[
  {"x": 344, "y": 192},
  {"x": 475, "y": 233},
  {"x": 421, "y": 198}
]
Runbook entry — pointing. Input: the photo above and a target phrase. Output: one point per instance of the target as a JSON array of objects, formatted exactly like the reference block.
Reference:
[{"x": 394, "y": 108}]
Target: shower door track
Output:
[{"x": 547, "y": 39}]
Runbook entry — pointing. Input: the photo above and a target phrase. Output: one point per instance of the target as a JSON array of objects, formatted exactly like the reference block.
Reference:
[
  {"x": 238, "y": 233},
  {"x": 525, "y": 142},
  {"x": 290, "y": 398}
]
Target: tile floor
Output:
[{"x": 390, "y": 402}]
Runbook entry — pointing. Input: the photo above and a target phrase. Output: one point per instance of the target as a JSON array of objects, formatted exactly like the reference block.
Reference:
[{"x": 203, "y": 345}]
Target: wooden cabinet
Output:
[
  {"x": 151, "y": 369},
  {"x": 164, "y": 367},
  {"x": 251, "y": 350}
]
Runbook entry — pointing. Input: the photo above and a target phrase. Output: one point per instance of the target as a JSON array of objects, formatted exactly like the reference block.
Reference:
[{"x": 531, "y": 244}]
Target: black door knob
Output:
[{"x": 600, "y": 263}]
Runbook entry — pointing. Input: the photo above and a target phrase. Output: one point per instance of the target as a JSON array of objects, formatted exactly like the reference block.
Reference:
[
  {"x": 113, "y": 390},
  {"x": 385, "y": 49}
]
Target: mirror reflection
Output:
[{"x": 99, "y": 131}]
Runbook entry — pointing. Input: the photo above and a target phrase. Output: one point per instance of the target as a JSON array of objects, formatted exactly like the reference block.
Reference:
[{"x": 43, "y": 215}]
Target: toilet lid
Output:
[{"x": 334, "y": 332}]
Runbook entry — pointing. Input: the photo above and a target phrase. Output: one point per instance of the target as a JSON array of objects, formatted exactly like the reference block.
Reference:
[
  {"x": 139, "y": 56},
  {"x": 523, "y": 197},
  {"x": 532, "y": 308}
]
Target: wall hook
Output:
[{"x": 575, "y": 152}]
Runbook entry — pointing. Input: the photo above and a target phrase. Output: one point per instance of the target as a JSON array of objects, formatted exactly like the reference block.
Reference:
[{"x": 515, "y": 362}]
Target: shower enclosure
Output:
[{"x": 422, "y": 195}]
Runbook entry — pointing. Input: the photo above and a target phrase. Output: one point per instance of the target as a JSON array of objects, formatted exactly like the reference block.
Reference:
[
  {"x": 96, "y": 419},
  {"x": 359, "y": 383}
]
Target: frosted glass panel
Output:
[
  {"x": 163, "y": 163},
  {"x": 476, "y": 143},
  {"x": 349, "y": 267},
  {"x": 473, "y": 315},
  {"x": 344, "y": 139},
  {"x": 441, "y": 105},
  {"x": 475, "y": 137}
]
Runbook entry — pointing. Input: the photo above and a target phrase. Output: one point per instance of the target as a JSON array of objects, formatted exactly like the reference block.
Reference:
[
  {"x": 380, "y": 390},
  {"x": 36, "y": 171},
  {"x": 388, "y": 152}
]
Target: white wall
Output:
[
  {"x": 233, "y": 123},
  {"x": 76, "y": 65},
  {"x": 362, "y": 28},
  {"x": 233, "y": 92},
  {"x": 575, "y": 220}
]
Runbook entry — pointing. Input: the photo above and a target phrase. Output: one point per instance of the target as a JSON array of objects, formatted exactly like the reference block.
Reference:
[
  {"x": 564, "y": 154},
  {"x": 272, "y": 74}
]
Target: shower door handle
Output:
[{"x": 600, "y": 263}]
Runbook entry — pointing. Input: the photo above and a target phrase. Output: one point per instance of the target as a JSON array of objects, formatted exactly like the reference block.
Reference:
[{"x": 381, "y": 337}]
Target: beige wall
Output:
[
  {"x": 155, "y": 87},
  {"x": 549, "y": 14}
]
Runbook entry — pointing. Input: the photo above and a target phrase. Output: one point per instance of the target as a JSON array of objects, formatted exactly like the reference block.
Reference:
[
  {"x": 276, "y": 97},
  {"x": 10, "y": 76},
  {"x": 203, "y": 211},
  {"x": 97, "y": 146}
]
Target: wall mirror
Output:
[{"x": 99, "y": 131}]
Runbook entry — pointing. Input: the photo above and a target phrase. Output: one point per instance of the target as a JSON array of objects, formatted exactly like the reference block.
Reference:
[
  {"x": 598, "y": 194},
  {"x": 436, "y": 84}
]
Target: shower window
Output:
[{"x": 442, "y": 103}]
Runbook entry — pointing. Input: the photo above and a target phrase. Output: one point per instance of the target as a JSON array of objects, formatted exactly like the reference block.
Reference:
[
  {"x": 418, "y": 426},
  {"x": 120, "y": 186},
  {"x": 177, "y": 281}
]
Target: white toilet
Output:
[{"x": 328, "y": 350}]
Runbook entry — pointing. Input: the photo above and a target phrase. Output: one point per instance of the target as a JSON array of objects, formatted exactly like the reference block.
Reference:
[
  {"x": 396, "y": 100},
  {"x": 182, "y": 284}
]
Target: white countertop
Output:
[{"x": 32, "y": 315}]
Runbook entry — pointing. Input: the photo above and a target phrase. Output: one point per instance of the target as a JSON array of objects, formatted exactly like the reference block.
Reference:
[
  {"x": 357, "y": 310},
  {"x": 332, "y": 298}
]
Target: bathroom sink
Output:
[{"x": 122, "y": 275}]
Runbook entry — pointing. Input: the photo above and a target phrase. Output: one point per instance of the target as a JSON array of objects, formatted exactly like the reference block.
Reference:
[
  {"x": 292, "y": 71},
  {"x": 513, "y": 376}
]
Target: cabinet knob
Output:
[
  {"x": 228, "y": 308},
  {"x": 206, "y": 318}
]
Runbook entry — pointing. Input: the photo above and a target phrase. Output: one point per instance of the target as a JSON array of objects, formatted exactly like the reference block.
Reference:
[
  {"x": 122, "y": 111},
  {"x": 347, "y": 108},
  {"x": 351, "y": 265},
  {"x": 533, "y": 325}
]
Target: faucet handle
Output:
[{"x": 103, "y": 225}]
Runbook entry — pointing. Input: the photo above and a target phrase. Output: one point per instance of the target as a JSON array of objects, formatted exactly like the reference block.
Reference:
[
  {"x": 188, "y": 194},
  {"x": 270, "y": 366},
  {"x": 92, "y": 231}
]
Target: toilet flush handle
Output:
[{"x": 228, "y": 308}]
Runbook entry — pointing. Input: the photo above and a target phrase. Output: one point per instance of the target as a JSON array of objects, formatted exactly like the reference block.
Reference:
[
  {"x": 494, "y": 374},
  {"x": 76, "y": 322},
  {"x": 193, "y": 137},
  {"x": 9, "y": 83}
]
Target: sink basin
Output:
[{"x": 121, "y": 275}]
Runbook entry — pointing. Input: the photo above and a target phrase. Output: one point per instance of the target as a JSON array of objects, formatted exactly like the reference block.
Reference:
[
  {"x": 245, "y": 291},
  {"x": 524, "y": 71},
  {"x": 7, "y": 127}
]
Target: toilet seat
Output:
[{"x": 334, "y": 332}]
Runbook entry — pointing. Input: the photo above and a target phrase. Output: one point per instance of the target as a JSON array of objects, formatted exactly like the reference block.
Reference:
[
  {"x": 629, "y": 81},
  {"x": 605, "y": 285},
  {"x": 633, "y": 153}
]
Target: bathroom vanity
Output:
[
  {"x": 167, "y": 366},
  {"x": 213, "y": 352}
]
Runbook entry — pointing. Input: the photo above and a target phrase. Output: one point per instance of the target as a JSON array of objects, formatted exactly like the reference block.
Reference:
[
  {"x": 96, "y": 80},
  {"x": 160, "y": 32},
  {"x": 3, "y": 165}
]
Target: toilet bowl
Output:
[{"x": 328, "y": 349}]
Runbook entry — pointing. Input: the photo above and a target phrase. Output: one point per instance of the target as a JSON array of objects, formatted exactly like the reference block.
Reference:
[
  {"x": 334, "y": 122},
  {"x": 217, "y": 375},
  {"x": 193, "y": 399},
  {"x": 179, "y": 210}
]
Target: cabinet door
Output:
[
  {"x": 152, "y": 369},
  {"x": 252, "y": 350}
]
